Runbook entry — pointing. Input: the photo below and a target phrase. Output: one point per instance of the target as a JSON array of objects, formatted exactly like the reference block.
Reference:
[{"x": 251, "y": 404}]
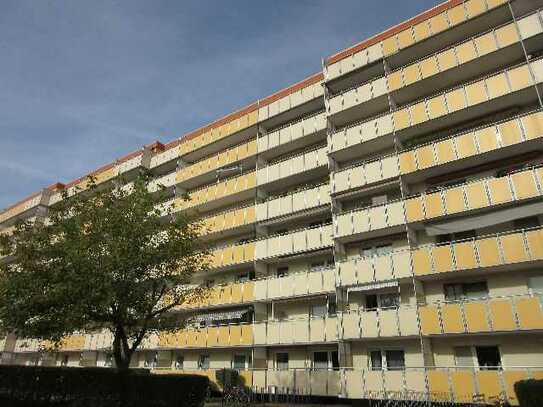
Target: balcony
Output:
[
  {"x": 303, "y": 240},
  {"x": 231, "y": 294},
  {"x": 485, "y": 252},
  {"x": 430, "y": 34},
  {"x": 205, "y": 170},
  {"x": 368, "y": 173},
  {"x": 229, "y": 221},
  {"x": 129, "y": 164},
  {"x": 485, "y": 315},
  {"x": 217, "y": 336},
  {"x": 219, "y": 137},
  {"x": 236, "y": 255},
  {"x": 296, "y": 331},
  {"x": 298, "y": 166},
  {"x": 465, "y": 149},
  {"x": 510, "y": 87},
  {"x": 20, "y": 208},
  {"x": 380, "y": 323},
  {"x": 166, "y": 181},
  {"x": 222, "y": 193},
  {"x": 464, "y": 199},
  {"x": 293, "y": 136},
  {"x": 461, "y": 62},
  {"x": 164, "y": 157},
  {"x": 300, "y": 201}
]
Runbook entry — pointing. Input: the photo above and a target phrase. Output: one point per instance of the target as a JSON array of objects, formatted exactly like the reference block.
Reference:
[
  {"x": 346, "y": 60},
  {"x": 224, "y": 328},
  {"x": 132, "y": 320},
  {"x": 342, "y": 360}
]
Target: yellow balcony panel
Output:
[
  {"x": 520, "y": 78},
  {"x": 421, "y": 31},
  {"x": 489, "y": 252},
  {"x": 443, "y": 258},
  {"x": 475, "y": 7},
  {"x": 407, "y": 162},
  {"x": 464, "y": 254},
  {"x": 438, "y": 383},
  {"x": 500, "y": 191},
  {"x": 414, "y": 209},
  {"x": 192, "y": 338},
  {"x": 497, "y": 85},
  {"x": 439, "y": 23},
  {"x": 447, "y": 60},
  {"x": 422, "y": 263},
  {"x": 248, "y": 292},
  {"x": 489, "y": 384},
  {"x": 486, "y": 44},
  {"x": 513, "y": 248},
  {"x": 529, "y": 313},
  {"x": 452, "y": 318},
  {"x": 533, "y": 125},
  {"x": 476, "y": 317},
  {"x": 476, "y": 195},
  {"x": 476, "y": 93},
  {"x": 418, "y": 113},
  {"x": 487, "y": 139},
  {"x": 507, "y": 35},
  {"x": 457, "y": 14},
  {"x": 445, "y": 151},
  {"x": 429, "y": 319},
  {"x": 411, "y": 74},
  {"x": 502, "y": 315},
  {"x": 235, "y": 335},
  {"x": 510, "y": 378},
  {"x": 429, "y": 67},
  {"x": 524, "y": 185},
  {"x": 395, "y": 80},
  {"x": 466, "y": 52},
  {"x": 535, "y": 244},
  {"x": 433, "y": 204},
  {"x": 495, "y": 3},
  {"x": 456, "y": 100},
  {"x": 224, "y": 336},
  {"x": 252, "y": 118},
  {"x": 402, "y": 119},
  {"x": 236, "y": 293},
  {"x": 390, "y": 46},
  {"x": 405, "y": 38},
  {"x": 425, "y": 157},
  {"x": 454, "y": 200},
  {"x": 510, "y": 132},
  {"x": 463, "y": 385},
  {"x": 437, "y": 107}
]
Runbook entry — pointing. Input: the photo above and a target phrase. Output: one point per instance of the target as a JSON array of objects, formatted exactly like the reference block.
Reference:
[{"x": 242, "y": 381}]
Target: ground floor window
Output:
[
  {"x": 203, "y": 362},
  {"x": 240, "y": 362},
  {"x": 390, "y": 359},
  {"x": 488, "y": 357},
  {"x": 179, "y": 361},
  {"x": 325, "y": 360},
  {"x": 281, "y": 361}
]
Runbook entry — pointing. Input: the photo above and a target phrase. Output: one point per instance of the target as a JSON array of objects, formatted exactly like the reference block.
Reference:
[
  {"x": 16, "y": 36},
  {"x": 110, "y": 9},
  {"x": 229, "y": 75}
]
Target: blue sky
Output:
[{"x": 85, "y": 82}]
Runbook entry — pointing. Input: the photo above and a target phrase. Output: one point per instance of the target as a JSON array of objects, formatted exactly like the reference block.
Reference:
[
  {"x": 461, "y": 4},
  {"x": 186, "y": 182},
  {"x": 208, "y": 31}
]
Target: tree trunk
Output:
[{"x": 121, "y": 351}]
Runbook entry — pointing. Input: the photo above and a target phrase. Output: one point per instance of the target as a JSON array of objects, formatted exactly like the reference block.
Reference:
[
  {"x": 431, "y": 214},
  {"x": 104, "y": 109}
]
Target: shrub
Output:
[
  {"x": 75, "y": 387},
  {"x": 529, "y": 393}
]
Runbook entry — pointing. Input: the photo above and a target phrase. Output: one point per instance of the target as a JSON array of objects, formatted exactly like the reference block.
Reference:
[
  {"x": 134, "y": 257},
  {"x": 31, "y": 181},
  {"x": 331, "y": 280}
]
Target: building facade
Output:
[{"x": 376, "y": 227}]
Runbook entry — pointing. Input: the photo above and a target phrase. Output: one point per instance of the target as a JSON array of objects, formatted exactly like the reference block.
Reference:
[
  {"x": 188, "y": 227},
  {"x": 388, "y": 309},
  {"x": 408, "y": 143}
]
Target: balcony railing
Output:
[
  {"x": 290, "y": 101},
  {"x": 473, "y": 143},
  {"x": 367, "y": 173},
  {"x": 492, "y": 314},
  {"x": 292, "y": 132},
  {"x": 481, "y": 91},
  {"x": 233, "y": 255},
  {"x": 298, "y": 201},
  {"x": 299, "y": 164},
  {"x": 300, "y": 241},
  {"x": 379, "y": 323},
  {"x": 229, "y": 220}
]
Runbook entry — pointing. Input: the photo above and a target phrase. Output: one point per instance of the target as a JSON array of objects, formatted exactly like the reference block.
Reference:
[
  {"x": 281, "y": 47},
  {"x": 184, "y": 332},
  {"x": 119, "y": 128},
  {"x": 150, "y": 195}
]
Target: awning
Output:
[
  {"x": 372, "y": 287},
  {"x": 485, "y": 220},
  {"x": 220, "y": 316}
]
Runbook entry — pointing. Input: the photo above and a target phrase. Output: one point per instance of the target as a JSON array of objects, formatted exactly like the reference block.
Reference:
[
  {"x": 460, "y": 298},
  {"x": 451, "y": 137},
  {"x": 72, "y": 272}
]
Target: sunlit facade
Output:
[{"x": 376, "y": 227}]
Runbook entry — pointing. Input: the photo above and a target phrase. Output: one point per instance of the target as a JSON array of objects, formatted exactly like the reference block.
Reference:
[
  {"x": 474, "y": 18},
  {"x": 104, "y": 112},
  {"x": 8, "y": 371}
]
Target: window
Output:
[
  {"x": 535, "y": 284},
  {"x": 242, "y": 278},
  {"x": 452, "y": 237},
  {"x": 378, "y": 200},
  {"x": 281, "y": 361},
  {"x": 389, "y": 300},
  {"x": 318, "y": 310},
  {"x": 320, "y": 360},
  {"x": 526, "y": 223},
  {"x": 179, "y": 361},
  {"x": 462, "y": 291},
  {"x": 64, "y": 360},
  {"x": 108, "y": 361},
  {"x": 376, "y": 360},
  {"x": 377, "y": 250},
  {"x": 209, "y": 283},
  {"x": 203, "y": 362},
  {"x": 395, "y": 359},
  {"x": 332, "y": 306},
  {"x": 463, "y": 356},
  {"x": 150, "y": 359},
  {"x": 239, "y": 362},
  {"x": 488, "y": 357},
  {"x": 282, "y": 271}
]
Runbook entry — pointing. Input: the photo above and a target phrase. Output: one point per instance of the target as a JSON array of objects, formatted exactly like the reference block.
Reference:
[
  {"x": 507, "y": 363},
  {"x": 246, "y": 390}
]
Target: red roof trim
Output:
[
  {"x": 291, "y": 89},
  {"x": 392, "y": 31}
]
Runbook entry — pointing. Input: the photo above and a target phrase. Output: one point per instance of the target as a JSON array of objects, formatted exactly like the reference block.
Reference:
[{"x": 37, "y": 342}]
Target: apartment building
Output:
[{"x": 376, "y": 227}]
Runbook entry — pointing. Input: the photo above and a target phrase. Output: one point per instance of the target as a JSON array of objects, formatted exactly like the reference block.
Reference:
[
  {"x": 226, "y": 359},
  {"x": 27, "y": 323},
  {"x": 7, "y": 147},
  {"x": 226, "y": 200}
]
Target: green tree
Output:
[{"x": 106, "y": 258}]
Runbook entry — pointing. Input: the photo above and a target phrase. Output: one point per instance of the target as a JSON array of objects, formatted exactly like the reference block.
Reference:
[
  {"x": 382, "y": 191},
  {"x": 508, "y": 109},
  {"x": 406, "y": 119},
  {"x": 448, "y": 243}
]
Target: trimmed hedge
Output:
[
  {"x": 529, "y": 393},
  {"x": 94, "y": 386}
]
